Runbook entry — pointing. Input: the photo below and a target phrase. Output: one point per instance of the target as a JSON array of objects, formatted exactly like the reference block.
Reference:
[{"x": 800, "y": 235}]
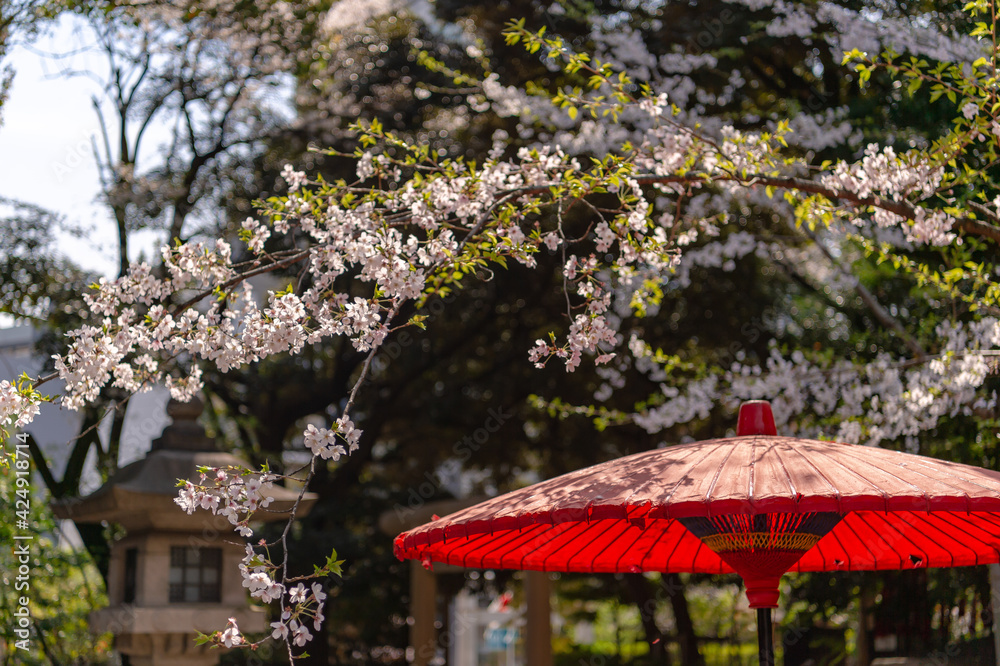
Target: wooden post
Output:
[
  {"x": 423, "y": 606},
  {"x": 538, "y": 628}
]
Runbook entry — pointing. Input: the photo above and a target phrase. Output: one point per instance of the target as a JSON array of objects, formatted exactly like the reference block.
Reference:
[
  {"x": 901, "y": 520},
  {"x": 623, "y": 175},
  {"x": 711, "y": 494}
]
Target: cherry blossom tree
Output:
[{"x": 628, "y": 176}]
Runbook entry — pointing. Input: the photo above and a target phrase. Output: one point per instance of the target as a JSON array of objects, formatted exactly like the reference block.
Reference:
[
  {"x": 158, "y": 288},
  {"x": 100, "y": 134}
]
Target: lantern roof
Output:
[{"x": 141, "y": 494}]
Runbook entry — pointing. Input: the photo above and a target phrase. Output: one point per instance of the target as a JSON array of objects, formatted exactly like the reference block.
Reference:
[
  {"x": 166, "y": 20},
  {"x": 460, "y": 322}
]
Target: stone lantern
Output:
[{"x": 173, "y": 574}]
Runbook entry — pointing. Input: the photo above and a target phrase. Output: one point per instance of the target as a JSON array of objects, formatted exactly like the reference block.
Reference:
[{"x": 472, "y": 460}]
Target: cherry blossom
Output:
[
  {"x": 318, "y": 594},
  {"x": 297, "y": 594},
  {"x": 18, "y": 405},
  {"x": 300, "y": 634},
  {"x": 231, "y": 636},
  {"x": 323, "y": 443},
  {"x": 234, "y": 493},
  {"x": 671, "y": 191},
  {"x": 280, "y": 631}
]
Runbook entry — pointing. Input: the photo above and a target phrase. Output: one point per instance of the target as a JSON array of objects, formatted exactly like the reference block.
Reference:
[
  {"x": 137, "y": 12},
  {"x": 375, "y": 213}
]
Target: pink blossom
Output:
[
  {"x": 231, "y": 636},
  {"x": 280, "y": 630}
]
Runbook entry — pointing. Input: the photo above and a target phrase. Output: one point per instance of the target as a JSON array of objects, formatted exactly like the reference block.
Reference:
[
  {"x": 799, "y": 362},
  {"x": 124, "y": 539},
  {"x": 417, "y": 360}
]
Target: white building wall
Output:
[{"x": 55, "y": 427}]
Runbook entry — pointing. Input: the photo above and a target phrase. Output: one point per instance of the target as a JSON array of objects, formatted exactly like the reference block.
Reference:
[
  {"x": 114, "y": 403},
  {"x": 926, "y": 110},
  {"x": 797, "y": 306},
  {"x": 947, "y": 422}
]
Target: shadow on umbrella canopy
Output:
[{"x": 756, "y": 504}]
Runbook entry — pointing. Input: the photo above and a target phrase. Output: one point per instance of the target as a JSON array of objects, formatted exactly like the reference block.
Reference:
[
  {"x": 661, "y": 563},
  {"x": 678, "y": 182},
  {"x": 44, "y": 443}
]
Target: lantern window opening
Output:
[
  {"x": 131, "y": 570},
  {"x": 195, "y": 574}
]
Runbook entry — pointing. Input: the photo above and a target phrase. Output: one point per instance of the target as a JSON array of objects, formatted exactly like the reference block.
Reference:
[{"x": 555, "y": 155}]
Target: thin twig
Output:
[{"x": 879, "y": 312}]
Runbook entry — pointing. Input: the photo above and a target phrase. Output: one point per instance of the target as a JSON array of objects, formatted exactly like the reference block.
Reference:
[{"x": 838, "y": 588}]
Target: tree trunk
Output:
[
  {"x": 995, "y": 607},
  {"x": 644, "y": 598},
  {"x": 686, "y": 638},
  {"x": 866, "y": 602}
]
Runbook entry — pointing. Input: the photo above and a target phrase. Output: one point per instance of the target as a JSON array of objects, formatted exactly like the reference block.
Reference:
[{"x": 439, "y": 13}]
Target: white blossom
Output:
[{"x": 231, "y": 636}]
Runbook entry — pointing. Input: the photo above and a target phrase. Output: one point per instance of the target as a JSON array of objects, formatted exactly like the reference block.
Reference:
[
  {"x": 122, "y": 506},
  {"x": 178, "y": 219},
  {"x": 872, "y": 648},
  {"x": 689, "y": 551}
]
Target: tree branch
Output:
[{"x": 879, "y": 312}]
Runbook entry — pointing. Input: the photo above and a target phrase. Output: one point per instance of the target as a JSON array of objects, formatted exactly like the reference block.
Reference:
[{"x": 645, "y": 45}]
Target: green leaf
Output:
[{"x": 333, "y": 565}]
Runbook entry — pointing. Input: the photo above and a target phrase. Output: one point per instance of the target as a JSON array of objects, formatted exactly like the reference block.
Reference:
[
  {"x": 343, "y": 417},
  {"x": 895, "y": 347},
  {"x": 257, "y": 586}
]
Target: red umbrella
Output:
[{"x": 755, "y": 504}]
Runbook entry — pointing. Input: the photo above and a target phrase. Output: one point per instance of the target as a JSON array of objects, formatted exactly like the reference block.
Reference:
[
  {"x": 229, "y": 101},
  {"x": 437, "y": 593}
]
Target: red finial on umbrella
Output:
[
  {"x": 755, "y": 419},
  {"x": 761, "y": 547}
]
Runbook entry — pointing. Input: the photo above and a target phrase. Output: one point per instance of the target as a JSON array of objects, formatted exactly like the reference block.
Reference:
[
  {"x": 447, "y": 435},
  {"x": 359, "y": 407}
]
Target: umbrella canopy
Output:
[{"x": 757, "y": 504}]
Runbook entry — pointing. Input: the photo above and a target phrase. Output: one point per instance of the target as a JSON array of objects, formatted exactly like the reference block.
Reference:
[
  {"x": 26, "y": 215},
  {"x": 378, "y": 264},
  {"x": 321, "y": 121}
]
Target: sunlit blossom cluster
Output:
[
  {"x": 871, "y": 403},
  {"x": 881, "y": 171},
  {"x": 228, "y": 492},
  {"x": 325, "y": 443},
  {"x": 417, "y": 229},
  {"x": 304, "y": 604},
  {"x": 17, "y": 407},
  {"x": 236, "y": 494},
  {"x": 307, "y": 604}
]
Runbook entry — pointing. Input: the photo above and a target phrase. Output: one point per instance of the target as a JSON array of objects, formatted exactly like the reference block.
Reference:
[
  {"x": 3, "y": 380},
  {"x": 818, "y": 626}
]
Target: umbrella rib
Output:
[
  {"x": 572, "y": 536},
  {"x": 488, "y": 542},
  {"x": 519, "y": 545},
  {"x": 603, "y": 531},
  {"x": 626, "y": 550},
  {"x": 517, "y": 538},
  {"x": 833, "y": 535},
  {"x": 864, "y": 542},
  {"x": 718, "y": 473},
  {"x": 677, "y": 544},
  {"x": 655, "y": 543},
  {"x": 987, "y": 516},
  {"x": 721, "y": 569},
  {"x": 682, "y": 477},
  {"x": 484, "y": 537},
  {"x": 429, "y": 548},
  {"x": 820, "y": 551},
  {"x": 927, "y": 523},
  {"x": 958, "y": 520},
  {"x": 586, "y": 542},
  {"x": 901, "y": 536},
  {"x": 847, "y": 552},
  {"x": 942, "y": 469},
  {"x": 826, "y": 455},
  {"x": 788, "y": 477},
  {"x": 555, "y": 549},
  {"x": 990, "y": 516},
  {"x": 820, "y": 473},
  {"x": 879, "y": 534}
]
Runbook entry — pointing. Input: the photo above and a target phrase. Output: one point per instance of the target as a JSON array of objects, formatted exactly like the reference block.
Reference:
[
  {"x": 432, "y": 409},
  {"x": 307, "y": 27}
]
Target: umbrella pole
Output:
[{"x": 765, "y": 637}]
